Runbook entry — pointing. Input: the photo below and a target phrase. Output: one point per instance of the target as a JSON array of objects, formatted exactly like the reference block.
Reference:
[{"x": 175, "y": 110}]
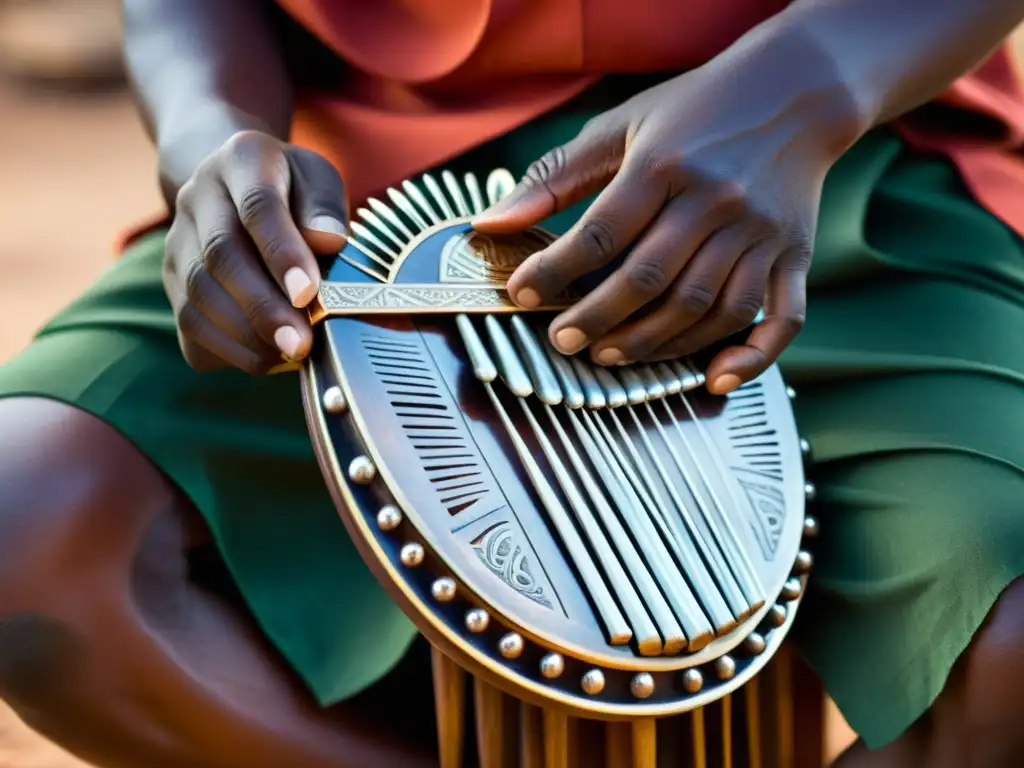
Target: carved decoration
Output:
[{"x": 506, "y": 558}]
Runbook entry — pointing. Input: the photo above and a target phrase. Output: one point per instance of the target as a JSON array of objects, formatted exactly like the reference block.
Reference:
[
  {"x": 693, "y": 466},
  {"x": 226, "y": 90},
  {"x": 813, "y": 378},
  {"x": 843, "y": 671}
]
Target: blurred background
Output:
[{"x": 75, "y": 169}]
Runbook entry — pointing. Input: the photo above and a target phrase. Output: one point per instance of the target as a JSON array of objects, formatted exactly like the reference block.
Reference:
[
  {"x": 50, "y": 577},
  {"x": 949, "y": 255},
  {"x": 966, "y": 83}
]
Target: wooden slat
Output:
[{"x": 450, "y": 705}]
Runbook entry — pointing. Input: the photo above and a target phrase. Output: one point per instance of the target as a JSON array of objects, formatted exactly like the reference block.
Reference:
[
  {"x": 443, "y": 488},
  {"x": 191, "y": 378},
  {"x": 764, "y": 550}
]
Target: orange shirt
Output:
[
  {"x": 429, "y": 79},
  {"x": 432, "y": 78}
]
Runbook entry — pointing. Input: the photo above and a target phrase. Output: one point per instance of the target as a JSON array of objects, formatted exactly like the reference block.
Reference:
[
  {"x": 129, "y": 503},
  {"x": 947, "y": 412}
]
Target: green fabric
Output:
[{"x": 911, "y": 381}]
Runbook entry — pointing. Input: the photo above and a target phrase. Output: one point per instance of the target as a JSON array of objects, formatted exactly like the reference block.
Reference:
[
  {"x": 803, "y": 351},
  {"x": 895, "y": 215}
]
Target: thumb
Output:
[
  {"x": 564, "y": 176},
  {"x": 318, "y": 202}
]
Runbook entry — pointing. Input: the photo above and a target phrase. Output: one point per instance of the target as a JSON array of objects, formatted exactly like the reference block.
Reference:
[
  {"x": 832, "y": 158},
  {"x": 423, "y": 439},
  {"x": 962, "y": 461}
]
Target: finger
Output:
[
  {"x": 229, "y": 256},
  {"x": 616, "y": 218},
  {"x": 649, "y": 270},
  {"x": 257, "y": 176},
  {"x": 318, "y": 201},
  {"x": 737, "y": 305},
  {"x": 784, "y": 319},
  {"x": 562, "y": 177},
  {"x": 207, "y": 318},
  {"x": 689, "y": 299}
]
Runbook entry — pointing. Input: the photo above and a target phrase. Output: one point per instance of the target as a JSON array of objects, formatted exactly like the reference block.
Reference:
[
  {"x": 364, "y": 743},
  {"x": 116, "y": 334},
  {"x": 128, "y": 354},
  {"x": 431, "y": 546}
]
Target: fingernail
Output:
[
  {"x": 499, "y": 209},
  {"x": 300, "y": 288},
  {"x": 725, "y": 383},
  {"x": 328, "y": 225},
  {"x": 288, "y": 341},
  {"x": 528, "y": 298},
  {"x": 610, "y": 356},
  {"x": 570, "y": 341}
]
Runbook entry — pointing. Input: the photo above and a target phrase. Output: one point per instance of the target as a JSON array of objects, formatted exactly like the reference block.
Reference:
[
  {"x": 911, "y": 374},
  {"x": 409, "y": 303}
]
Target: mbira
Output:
[{"x": 609, "y": 553}]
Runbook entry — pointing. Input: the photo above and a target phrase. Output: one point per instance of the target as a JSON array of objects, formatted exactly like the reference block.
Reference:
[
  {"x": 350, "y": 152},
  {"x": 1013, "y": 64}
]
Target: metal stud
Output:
[
  {"x": 552, "y": 665},
  {"x": 777, "y": 615},
  {"x": 791, "y": 393},
  {"x": 511, "y": 645},
  {"x": 389, "y": 517},
  {"x": 693, "y": 680},
  {"x": 811, "y": 527},
  {"x": 804, "y": 561},
  {"x": 334, "y": 401},
  {"x": 361, "y": 470},
  {"x": 805, "y": 447},
  {"x": 810, "y": 492},
  {"x": 754, "y": 644},
  {"x": 792, "y": 588},
  {"x": 642, "y": 685},
  {"x": 593, "y": 682},
  {"x": 477, "y": 620},
  {"x": 725, "y": 667},
  {"x": 411, "y": 554},
  {"x": 443, "y": 589}
]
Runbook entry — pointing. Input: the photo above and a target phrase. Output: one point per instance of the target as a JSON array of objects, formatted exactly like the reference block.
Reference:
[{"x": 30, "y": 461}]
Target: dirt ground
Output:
[{"x": 73, "y": 171}]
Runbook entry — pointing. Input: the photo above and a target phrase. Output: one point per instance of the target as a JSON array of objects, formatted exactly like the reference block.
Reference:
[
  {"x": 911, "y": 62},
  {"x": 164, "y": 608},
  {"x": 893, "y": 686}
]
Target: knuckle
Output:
[
  {"x": 217, "y": 252},
  {"x": 194, "y": 280},
  {"x": 694, "y": 299},
  {"x": 186, "y": 194},
  {"x": 550, "y": 166},
  {"x": 646, "y": 278},
  {"x": 732, "y": 191},
  {"x": 256, "y": 204},
  {"x": 598, "y": 238},
  {"x": 244, "y": 144},
  {"x": 659, "y": 165},
  {"x": 792, "y": 324},
  {"x": 264, "y": 311},
  {"x": 742, "y": 309},
  {"x": 190, "y": 321}
]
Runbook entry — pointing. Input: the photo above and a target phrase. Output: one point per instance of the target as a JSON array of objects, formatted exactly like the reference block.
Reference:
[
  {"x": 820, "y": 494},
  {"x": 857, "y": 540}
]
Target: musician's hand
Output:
[
  {"x": 240, "y": 265},
  {"x": 714, "y": 179}
]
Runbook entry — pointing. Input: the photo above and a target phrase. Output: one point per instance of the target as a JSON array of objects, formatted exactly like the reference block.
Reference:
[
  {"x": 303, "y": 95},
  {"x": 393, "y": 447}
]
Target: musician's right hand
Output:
[{"x": 239, "y": 265}]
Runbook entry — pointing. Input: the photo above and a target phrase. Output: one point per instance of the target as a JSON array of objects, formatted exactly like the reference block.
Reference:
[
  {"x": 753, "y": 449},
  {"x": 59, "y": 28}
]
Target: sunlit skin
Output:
[{"x": 714, "y": 177}]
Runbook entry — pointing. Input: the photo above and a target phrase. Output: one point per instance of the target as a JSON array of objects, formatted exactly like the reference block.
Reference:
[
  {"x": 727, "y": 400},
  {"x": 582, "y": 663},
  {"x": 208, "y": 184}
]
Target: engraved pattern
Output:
[
  {"x": 505, "y": 558},
  {"x": 770, "y": 506},
  {"x": 340, "y": 299},
  {"x": 471, "y": 257}
]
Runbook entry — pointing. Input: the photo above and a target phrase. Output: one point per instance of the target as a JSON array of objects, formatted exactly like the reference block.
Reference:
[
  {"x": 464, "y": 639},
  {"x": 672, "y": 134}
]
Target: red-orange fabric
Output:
[{"x": 429, "y": 79}]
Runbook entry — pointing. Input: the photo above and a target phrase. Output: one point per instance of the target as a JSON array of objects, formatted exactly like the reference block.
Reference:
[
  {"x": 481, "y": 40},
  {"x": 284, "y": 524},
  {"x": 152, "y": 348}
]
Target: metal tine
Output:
[
  {"x": 363, "y": 233},
  {"x": 616, "y": 627},
  {"x": 592, "y": 390},
  {"x": 511, "y": 368},
  {"x": 369, "y": 216},
  {"x": 421, "y": 200},
  {"x": 571, "y": 388},
  {"x": 452, "y": 185},
  {"x": 699, "y": 375},
  {"x": 405, "y": 206},
  {"x": 754, "y": 588},
  {"x": 636, "y": 391},
  {"x": 645, "y": 573},
  {"x": 614, "y": 392},
  {"x": 363, "y": 268},
  {"x": 687, "y": 609},
  {"x": 649, "y": 641},
  {"x": 691, "y": 552},
  {"x": 483, "y": 366},
  {"x": 655, "y": 389},
  {"x": 545, "y": 382},
  {"x": 669, "y": 380},
  {"x": 384, "y": 210},
  {"x": 475, "y": 195},
  {"x": 732, "y": 587},
  {"x": 499, "y": 183},
  {"x": 355, "y": 243},
  {"x": 435, "y": 190},
  {"x": 689, "y": 378}
]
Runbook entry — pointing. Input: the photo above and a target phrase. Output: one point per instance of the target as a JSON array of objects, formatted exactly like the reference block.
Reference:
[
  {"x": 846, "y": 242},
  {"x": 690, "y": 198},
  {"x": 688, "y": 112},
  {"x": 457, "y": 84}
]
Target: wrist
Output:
[
  {"x": 788, "y": 68},
  {"x": 185, "y": 144}
]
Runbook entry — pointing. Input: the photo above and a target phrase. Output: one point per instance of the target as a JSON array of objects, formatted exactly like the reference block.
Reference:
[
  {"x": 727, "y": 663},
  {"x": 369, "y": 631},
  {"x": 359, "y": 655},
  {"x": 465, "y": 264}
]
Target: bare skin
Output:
[{"x": 115, "y": 646}]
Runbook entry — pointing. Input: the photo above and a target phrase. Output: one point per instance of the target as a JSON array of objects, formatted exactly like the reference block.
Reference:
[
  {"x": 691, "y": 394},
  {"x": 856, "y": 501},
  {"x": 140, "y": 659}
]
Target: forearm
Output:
[
  {"x": 861, "y": 63},
  {"x": 202, "y": 71}
]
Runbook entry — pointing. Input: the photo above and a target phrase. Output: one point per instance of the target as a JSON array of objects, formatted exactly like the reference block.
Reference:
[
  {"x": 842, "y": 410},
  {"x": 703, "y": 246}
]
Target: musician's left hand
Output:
[{"x": 714, "y": 179}]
